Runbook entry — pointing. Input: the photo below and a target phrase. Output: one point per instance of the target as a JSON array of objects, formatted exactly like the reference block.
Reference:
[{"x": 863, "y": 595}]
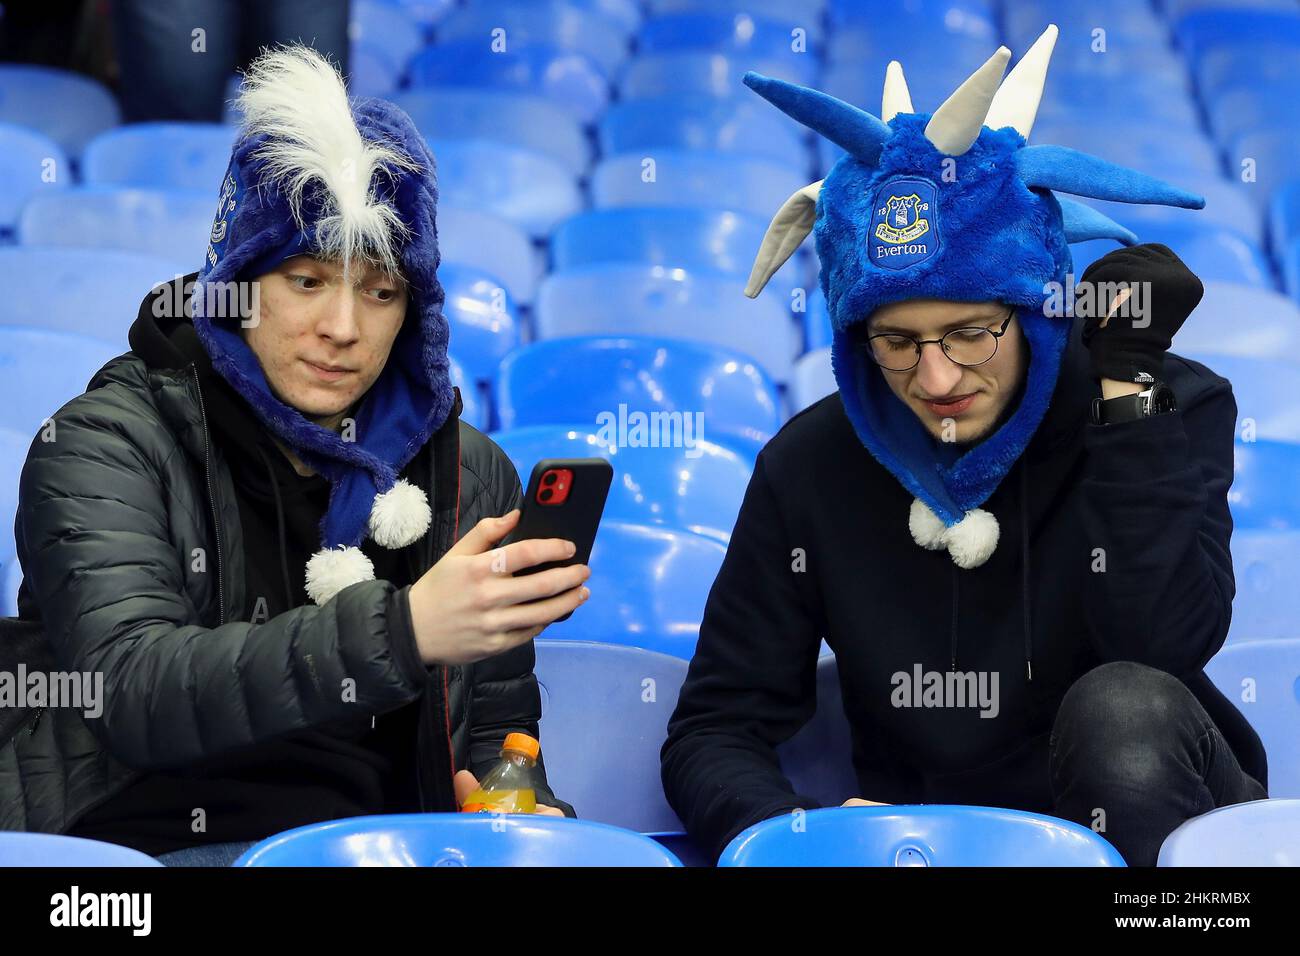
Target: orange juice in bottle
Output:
[{"x": 508, "y": 788}]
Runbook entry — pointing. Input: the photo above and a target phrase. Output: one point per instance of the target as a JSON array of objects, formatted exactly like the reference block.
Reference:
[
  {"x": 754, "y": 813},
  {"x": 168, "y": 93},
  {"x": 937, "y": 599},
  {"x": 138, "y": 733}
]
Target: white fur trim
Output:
[
  {"x": 330, "y": 570},
  {"x": 928, "y": 529},
  {"x": 400, "y": 516},
  {"x": 972, "y": 539}
]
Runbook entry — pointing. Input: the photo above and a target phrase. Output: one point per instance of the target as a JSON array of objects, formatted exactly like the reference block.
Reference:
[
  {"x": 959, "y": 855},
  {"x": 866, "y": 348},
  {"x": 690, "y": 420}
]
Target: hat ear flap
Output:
[{"x": 789, "y": 227}]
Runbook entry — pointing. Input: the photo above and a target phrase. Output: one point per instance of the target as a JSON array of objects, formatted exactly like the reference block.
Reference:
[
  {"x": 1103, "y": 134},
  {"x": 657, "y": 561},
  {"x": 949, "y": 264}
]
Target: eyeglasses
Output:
[{"x": 965, "y": 346}]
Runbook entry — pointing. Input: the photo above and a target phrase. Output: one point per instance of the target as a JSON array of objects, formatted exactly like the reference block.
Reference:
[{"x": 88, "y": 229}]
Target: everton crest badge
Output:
[{"x": 904, "y": 224}]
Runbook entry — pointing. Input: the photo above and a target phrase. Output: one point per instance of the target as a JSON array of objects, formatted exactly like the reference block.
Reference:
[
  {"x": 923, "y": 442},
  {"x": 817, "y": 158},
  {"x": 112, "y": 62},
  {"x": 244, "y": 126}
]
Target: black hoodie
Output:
[
  {"x": 822, "y": 548},
  {"x": 320, "y": 774}
]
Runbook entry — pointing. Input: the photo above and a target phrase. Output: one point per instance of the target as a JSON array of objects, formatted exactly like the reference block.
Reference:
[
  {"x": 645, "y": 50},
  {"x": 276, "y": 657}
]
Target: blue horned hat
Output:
[
  {"x": 947, "y": 205},
  {"x": 314, "y": 171}
]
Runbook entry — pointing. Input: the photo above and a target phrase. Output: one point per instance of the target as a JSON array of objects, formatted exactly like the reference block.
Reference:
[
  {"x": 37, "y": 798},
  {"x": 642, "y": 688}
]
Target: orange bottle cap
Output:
[{"x": 524, "y": 744}]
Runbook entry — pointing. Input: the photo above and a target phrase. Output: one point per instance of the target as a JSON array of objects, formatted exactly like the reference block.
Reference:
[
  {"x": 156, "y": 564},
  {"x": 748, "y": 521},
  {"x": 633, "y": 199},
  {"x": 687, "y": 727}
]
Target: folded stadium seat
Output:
[
  {"x": 457, "y": 839},
  {"x": 472, "y": 237},
  {"x": 372, "y": 71},
  {"x": 526, "y": 188},
  {"x": 473, "y": 410},
  {"x": 1291, "y": 269},
  {"x": 1250, "y": 106},
  {"x": 1125, "y": 22},
  {"x": 12, "y": 573},
  {"x": 93, "y": 292},
  {"x": 560, "y": 24},
  {"x": 859, "y": 83},
  {"x": 1200, "y": 31},
  {"x": 391, "y": 30},
  {"x": 696, "y": 121},
  {"x": 609, "y": 778},
  {"x": 31, "y": 165},
  {"x": 566, "y": 77},
  {"x": 697, "y": 71},
  {"x": 1258, "y": 833},
  {"x": 484, "y": 325},
  {"x": 52, "y": 849},
  {"x": 742, "y": 35},
  {"x": 1061, "y": 103},
  {"x": 716, "y": 240},
  {"x": 681, "y": 177},
  {"x": 1267, "y": 604},
  {"x": 1260, "y": 677},
  {"x": 1274, "y": 152},
  {"x": 804, "y": 9},
  {"x": 1265, "y": 391},
  {"x": 631, "y": 299},
  {"x": 1215, "y": 254},
  {"x": 1263, "y": 63},
  {"x": 1226, "y": 205},
  {"x": 69, "y": 108},
  {"x": 1284, "y": 216},
  {"x": 513, "y": 119},
  {"x": 1240, "y": 320},
  {"x": 164, "y": 223},
  {"x": 160, "y": 156},
  {"x": 694, "y": 487},
  {"x": 559, "y": 381},
  {"x": 1264, "y": 478},
  {"x": 649, "y": 585},
  {"x": 40, "y": 371},
  {"x": 919, "y": 835},
  {"x": 1145, "y": 143},
  {"x": 818, "y": 760},
  {"x": 812, "y": 380}
]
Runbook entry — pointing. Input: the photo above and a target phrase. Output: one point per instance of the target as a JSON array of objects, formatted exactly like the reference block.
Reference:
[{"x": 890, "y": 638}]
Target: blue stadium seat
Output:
[
  {"x": 1274, "y": 151},
  {"x": 472, "y": 409},
  {"x": 1160, "y": 149},
  {"x": 69, "y": 108},
  {"x": 526, "y": 188},
  {"x": 805, "y": 9},
  {"x": 1240, "y": 320},
  {"x": 1200, "y": 31},
  {"x": 1227, "y": 205},
  {"x": 649, "y": 585},
  {"x": 1264, "y": 476},
  {"x": 161, "y": 156},
  {"x": 1267, "y": 604},
  {"x": 1237, "y": 110},
  {"x": 426, "y": 13},
  {"x": 457, "y": 839},
  {"x": 1258, "y": 833},
  {"x": 14, "y": 445},
  {"x": 514, "y": 119},
  {"x": 816, "y": 321},
  {"x": 697, "y": 72},
  {"x": 576, "y": 379},
  {"x": 744, "y": 184},
  {"x": 627, "y": 299},
  {"x": 488, "y": 243},
  {"x": 1215, "y": 255},
  {"x": 1264, "y": 63},
  {"x": 482, "y": 317},
  {"x": 813, "y": 379},
  {"x": 94, "y": 292},
  {"x": 919, "y": 835},
  {"x": 1291, "y": 269},
  {"x": 542, "y": 23},
  {"x": 40, "y": 371},
  {"x": 715, "y": 240},
  {"x": 696, "y": 488},
  {"x": 12, "y": 573},
  {"x": 31, "y": 165},
  {"x": 735, "y": 34},
  {"x": 372, "y": 71},
  {"x": 385, "y": 27},
  {"x": 1284, "y": 216},
  {"x": 1265, "y": 391},
  {"x": 1260, "y": 678},
  {"x": 609, "y": 778},
  {"x": 50, "y": 849},
  {"x": 694, "y": 121},
  {"x": 169, "y": 224},
  {"x": 568, "y": 78},
  {"x": 818, "y": 760}
]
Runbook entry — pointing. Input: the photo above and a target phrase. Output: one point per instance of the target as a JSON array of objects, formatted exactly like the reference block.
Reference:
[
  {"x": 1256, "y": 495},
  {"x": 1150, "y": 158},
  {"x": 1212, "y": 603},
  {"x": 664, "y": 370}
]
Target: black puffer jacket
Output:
[{"x": 112, "y": 515}]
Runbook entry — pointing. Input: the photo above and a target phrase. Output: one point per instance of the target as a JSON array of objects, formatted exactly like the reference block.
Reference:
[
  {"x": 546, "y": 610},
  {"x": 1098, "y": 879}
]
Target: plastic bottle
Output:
[{"x": 508, "y": 787}]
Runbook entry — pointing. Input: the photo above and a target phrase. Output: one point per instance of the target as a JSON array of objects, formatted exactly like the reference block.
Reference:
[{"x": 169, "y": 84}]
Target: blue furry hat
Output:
[
  {"x": 950, "y": 205},
  {"x": 353, "y": 181}
]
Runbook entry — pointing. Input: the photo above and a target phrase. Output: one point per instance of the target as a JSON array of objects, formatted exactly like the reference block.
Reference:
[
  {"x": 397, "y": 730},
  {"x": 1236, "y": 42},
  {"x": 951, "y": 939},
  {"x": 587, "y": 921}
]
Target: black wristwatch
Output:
[{"x": 1155, "y": 400}]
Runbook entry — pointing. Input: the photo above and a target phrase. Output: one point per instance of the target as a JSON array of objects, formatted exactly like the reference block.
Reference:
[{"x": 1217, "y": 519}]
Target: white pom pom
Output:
[
  {"x": 928, "y": 529},
  {"x": 400, "y": 516},
  {"x": 330, "y": 570},
  {"x": 972, "y": 539}
]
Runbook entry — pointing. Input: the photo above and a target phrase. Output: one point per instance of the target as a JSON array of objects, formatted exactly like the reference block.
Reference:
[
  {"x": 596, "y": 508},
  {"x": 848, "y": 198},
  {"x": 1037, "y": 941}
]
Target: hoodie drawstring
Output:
[
  {"x": 279, "y": 521},
  {"x": 1024, "y": 582}
]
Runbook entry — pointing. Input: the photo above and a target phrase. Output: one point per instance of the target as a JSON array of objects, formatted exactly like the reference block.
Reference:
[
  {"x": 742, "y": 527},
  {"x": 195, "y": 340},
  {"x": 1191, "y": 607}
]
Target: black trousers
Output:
[{"x": 1133, "y": 755}]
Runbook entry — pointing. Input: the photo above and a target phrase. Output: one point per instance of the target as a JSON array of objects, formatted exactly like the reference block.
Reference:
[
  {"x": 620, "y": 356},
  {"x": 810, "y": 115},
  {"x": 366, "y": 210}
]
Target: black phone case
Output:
[{"x": 576, "y": 519}]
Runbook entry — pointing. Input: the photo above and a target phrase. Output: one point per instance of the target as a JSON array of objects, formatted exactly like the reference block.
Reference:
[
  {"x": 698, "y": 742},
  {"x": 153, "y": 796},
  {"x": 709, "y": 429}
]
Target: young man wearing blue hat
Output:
[
  {"x": 1010, "y": 523},
  {"x": 268, "y": 529}
]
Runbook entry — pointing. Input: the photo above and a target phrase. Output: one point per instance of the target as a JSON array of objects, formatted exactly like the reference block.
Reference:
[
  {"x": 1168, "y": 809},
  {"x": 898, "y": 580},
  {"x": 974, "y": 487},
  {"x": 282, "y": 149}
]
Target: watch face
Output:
[{"x": 1162, "y": 399}]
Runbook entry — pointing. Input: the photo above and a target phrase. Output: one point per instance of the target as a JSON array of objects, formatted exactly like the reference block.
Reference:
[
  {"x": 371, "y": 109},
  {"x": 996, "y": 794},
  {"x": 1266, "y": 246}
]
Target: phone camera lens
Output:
[
  {"x": 545, "y": 494},
  {"x": 548, "y": 478}
]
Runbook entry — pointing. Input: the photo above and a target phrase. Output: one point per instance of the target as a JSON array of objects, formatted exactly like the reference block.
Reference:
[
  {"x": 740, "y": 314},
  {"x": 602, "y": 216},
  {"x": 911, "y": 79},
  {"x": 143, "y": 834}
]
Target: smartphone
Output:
[{"x": 564, "y": 499}]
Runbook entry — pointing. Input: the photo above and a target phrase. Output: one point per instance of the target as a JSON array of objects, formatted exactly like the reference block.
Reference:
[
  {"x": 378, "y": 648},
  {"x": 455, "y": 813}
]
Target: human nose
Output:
[
  {"x": 339, "y": 321},
  {"x": 936, "y": 373}
]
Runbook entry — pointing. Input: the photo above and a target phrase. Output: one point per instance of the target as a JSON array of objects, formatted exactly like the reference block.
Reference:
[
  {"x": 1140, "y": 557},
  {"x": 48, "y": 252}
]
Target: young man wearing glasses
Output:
[{"x": 1035, "y": 640}]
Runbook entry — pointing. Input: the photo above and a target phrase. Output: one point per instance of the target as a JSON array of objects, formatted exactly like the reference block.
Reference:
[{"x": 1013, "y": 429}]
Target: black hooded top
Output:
[{"x": 305, "y": 777}]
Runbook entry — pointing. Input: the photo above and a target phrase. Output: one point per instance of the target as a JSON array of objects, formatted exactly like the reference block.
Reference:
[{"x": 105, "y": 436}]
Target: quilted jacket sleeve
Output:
[{"x": 93, "y": 537}]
